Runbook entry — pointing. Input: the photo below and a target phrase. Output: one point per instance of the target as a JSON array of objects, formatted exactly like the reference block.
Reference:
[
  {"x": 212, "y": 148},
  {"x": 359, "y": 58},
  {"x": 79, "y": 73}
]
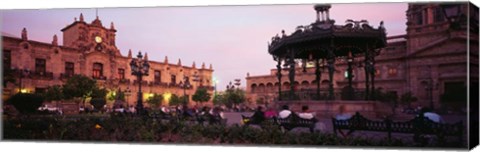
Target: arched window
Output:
[
  {"x": 97, "y": 70},
  {"x": 254, "y": 88}
]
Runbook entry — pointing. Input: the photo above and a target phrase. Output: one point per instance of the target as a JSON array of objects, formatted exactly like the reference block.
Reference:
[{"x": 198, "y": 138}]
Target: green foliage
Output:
[
  {"x": 78, "y": 86},
  {"x": 175, "y": 100},
  {"x": 218, "y": 99},
  {"x": 98, "y": 103},
  {"x": 54, "y": 93},
  {"x": 26, "y": 103},
  {"x": 407, "y": 98},
  {"x": 99, "y": 93},
  {"x": 201, "y": 95},
  {"x": 155, "y": 100},
  {"x": 234, "y": 96}
]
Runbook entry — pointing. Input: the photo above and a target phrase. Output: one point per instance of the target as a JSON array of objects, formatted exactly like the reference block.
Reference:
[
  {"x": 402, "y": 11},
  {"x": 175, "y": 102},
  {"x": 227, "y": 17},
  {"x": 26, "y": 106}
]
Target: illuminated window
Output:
[
  {"x": 40, "y": 66},
  {"x": 97, "y": 70},
  {"x": 121, "y": 73},
  {"x": 377, "y": 72},
  {"x": 392, "y": 72},
  {"x": 69, "y": 68}
]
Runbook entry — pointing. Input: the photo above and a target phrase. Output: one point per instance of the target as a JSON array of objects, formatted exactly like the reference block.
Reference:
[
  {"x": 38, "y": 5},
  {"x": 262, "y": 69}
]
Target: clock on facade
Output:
[{"x": 98, "y": 39}]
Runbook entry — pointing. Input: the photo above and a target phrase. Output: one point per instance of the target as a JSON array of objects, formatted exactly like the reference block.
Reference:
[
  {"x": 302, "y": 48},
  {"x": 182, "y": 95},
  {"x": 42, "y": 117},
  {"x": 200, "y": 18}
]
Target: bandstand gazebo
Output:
[{"x": 323, "y": 42}]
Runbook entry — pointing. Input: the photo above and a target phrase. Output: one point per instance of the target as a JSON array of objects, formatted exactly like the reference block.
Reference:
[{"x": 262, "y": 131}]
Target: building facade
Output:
[
  {"x": 430, "y": 61},
  {"x": 89, "y": 49}
]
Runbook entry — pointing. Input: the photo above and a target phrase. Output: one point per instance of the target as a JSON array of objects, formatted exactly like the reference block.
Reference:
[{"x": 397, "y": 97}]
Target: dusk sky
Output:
[{"x": 231, "y": 38}]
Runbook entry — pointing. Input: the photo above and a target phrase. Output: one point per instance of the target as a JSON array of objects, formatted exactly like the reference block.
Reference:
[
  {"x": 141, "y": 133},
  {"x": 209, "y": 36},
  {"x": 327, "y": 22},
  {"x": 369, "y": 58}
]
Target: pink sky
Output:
[{"x": 231, "y": 38}]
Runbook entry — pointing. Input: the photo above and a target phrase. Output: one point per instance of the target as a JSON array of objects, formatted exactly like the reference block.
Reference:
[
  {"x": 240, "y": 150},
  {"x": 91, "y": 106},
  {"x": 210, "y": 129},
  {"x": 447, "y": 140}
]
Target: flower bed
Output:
[{"x": 136, "y": 129}]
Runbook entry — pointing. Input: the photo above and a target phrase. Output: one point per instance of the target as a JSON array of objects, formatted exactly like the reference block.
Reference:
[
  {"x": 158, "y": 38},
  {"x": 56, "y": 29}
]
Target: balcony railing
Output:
[
  {"x": 64, "y": 76},
  {"x": 157, "y": 83},
  {"x": 42, "y": 75},
  {"x": 99, "y": 77},
  {"x": 124, "y": 81},
  {"x": 144, "y": 82}
]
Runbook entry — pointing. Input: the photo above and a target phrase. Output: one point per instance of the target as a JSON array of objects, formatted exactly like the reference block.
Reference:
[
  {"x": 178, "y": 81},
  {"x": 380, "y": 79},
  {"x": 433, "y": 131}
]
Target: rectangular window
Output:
[
  {"x": 69, "y": 69},
  {"x": 173, "y": 79},
  {"x": 392, "y": 72},
  {"x": 7, "y": 60},
  {"x": 438, "y": 15},
  {"x": 157, "y": 76},
  {"x": 121, "y": 73},
  {"x": 40, "y": 67},
  {"x": 97, "y": 70}
]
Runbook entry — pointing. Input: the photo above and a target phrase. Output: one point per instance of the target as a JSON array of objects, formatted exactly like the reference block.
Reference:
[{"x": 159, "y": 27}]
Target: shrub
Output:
[
  {"x": 98, "y": 103},
  {"x": 26, "y": 103}
]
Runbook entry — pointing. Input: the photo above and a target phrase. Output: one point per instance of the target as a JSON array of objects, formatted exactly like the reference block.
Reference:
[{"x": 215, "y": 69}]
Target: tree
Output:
[
  {"x": 175, "y": 100},
  {"x": 218, "y": 99},
  {"x": 201, "y": 95},
  {"x": 407, "y": 99},
  {"x": 98, "y": 103},
  {"x": 79, "y": 86},
  {"x": 155, "y": 100},
  {"x": 54, "y": 93},
  {"x": 98, "y": 97},
  {"x": 26, "y": 103},
  {"x": 234, "y": 96}
]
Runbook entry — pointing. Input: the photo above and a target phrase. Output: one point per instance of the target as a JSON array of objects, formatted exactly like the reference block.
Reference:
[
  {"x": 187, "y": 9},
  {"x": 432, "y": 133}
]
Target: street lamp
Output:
[
  {"x": 185, "y": 86},
  {"x": 230, "y": 86},
  {"x": 215, "y": 81},
  {"x": 452, "y": 12},
  {"x": 140, "y": 68}
]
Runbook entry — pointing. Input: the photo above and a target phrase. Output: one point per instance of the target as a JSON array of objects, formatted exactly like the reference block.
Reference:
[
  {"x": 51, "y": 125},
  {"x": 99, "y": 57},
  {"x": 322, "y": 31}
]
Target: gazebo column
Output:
[
  {"x": 317, "y": 77},
  {"x": 279, "y": 76},
  {"x": 367, "y": 76},
  {"x": 291, "y": 74},
  {"x": 350, "y": 75},
  {"x": 372, "y": 75},
  {"x": 331, "y": 70}
]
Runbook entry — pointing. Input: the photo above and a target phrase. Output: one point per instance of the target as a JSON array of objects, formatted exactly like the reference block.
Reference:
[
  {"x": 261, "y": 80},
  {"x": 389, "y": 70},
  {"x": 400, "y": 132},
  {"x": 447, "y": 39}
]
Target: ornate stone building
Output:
[
  {"x": 89, "y": 49},
  {"x": 430, "y": 61}
]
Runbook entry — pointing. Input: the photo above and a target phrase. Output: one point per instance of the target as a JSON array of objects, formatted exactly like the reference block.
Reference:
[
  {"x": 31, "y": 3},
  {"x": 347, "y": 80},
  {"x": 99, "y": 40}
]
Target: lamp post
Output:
[
  {"x": 185, "y": 84},
  {"x": 215, "y": 81},
  {"x": 453, "y": 13},
  {"x": 140, "y": 68}
]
